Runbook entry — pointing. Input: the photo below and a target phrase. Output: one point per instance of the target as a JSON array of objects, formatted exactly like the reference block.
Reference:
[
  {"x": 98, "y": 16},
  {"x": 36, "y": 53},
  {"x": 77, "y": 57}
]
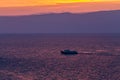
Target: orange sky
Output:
[
  {"x": 26, "y": 7},
  {"x": 14, "y": 3}
]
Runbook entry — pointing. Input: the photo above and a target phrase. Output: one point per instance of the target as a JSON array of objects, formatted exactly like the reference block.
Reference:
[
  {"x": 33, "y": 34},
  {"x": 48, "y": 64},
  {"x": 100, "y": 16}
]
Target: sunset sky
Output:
[{"x": 26, "y": 7}]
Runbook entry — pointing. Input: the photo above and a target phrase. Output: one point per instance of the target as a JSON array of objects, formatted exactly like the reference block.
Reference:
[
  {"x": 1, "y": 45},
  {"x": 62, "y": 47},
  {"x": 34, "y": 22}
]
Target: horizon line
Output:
[{"x": 40, "y": 14}]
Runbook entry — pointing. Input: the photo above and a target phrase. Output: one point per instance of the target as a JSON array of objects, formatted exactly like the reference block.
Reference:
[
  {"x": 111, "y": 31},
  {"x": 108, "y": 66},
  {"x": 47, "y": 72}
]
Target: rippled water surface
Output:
[{"x": 38, "y": 57}]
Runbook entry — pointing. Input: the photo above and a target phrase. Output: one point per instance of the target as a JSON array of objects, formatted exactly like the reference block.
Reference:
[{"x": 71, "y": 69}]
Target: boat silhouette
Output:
[{"x": 69, "y": 52}]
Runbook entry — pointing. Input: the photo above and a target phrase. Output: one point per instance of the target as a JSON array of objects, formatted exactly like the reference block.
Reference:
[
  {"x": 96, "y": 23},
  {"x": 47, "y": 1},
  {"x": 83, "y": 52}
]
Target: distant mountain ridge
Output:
[{"x": 96, "y": 22}]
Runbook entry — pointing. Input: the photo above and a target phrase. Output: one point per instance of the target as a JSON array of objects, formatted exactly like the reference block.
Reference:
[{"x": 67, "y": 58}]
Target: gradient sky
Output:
[{"x": 25, "y": 7}]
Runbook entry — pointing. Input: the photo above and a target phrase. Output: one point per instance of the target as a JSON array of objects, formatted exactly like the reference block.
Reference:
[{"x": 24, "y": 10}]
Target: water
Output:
[{"x": 38, "y": 57}]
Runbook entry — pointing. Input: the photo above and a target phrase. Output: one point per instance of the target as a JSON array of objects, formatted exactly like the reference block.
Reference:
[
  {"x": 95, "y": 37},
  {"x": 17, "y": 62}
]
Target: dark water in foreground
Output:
[{"x": 37, "y": 57}]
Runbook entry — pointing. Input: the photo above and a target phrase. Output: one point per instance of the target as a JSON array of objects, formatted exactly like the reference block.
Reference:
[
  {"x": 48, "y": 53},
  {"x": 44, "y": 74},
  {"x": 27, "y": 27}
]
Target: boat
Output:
[{"x": 69, "y": 52}]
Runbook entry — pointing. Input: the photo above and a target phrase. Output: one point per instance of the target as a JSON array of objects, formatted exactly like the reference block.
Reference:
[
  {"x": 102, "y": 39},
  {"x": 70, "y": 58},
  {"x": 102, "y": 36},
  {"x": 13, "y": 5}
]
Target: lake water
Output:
[{"x": 38, "y": 57}]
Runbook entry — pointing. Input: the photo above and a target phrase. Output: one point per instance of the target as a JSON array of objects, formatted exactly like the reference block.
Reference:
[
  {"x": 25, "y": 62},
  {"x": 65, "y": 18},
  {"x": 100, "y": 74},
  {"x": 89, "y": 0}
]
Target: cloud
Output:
[
  {"x": 59, "y": 8},
  {"x": 16, "y": 3}
]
